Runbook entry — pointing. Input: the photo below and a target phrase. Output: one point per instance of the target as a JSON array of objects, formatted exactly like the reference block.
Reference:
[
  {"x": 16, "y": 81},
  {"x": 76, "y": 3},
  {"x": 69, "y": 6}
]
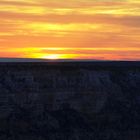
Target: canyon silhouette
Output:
[{"x": 94, "y": 100}]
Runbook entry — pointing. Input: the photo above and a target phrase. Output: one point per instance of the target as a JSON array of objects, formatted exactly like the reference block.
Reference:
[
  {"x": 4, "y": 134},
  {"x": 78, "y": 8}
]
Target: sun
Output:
[
  {"x": 53, "y": 56},
  {"x": 58, "y": 56}
]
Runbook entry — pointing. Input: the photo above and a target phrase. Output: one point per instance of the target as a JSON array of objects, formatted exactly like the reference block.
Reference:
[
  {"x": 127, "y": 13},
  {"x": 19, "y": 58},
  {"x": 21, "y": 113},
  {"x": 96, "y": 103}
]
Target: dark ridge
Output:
[
  {"x": 75, "y": 100},
  {"x": 74, "y": 64}
]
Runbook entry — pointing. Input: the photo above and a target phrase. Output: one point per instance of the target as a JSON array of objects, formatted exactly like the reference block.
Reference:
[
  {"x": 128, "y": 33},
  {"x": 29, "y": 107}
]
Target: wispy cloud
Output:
[{"x": 110, "y": 28}]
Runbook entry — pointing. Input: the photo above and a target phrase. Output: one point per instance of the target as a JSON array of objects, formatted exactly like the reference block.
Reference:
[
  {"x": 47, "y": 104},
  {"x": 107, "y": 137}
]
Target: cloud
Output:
[{"x": 77, "y": 28}]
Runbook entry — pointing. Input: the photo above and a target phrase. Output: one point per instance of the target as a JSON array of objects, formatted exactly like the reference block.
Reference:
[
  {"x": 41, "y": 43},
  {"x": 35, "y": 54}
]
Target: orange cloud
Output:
[{"x": 81, "y": 29}]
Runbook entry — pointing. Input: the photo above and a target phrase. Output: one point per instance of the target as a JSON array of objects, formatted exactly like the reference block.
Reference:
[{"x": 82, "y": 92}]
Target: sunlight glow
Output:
[
  {"x": 52, "y": 56},
  {"x": 58, "y": 56}
]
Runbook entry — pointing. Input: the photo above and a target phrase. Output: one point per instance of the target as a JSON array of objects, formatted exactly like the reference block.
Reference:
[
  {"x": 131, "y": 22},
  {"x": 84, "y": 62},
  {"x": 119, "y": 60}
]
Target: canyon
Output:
[{"x": 70, "y": 100}]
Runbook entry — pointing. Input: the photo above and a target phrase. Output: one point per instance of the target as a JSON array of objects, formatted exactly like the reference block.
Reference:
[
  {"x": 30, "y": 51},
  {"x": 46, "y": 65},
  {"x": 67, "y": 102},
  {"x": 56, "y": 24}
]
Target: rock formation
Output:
[{"x": 69, "y": 102}]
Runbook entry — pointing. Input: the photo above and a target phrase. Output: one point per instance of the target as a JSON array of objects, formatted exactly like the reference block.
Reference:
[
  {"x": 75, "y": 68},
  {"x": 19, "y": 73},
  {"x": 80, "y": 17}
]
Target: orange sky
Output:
[{"x": 66, "y": 29}]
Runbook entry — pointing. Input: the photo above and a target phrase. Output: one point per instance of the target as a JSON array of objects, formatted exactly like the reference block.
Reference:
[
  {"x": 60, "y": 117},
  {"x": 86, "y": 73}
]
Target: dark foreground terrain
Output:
[{"x": 70, "y": 101}]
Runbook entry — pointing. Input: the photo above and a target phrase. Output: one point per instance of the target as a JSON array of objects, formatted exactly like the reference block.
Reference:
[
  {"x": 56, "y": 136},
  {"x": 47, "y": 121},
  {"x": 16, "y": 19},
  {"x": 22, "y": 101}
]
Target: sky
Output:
[{"x": 70, "y": 29}]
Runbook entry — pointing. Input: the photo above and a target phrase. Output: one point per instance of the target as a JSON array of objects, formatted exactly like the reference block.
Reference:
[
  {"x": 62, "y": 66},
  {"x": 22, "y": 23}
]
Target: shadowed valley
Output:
[{"x": 70, "y": 101}]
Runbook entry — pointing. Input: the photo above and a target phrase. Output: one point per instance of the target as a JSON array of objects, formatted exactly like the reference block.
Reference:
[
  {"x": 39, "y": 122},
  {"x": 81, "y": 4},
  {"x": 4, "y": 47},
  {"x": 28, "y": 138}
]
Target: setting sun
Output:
[
  {"x": 52, "y": 56},
  {"x": 59, "y": 56}
]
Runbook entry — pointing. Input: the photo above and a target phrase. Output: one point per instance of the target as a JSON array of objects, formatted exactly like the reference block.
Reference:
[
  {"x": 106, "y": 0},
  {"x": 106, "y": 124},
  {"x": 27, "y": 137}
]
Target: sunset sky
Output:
[{"x": 70, "y": 29}]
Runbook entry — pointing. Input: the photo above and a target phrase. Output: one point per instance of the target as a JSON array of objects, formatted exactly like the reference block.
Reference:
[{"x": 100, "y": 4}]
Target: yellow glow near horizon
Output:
[{"x": 53, "y": 56}]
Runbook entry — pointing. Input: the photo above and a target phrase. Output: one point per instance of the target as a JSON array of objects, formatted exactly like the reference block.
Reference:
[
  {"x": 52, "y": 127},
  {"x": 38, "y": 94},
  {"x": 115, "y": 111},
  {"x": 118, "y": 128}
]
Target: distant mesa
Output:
[
  {"x": 21, "y": 60},
  {"x": 24, "y": 60},
  {"x": 41, "y": 60}
]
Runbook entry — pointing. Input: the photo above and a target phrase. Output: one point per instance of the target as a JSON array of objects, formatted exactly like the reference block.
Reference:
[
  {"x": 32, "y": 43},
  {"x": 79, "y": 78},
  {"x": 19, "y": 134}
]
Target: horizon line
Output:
[{"x": 6, "y": 59}]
